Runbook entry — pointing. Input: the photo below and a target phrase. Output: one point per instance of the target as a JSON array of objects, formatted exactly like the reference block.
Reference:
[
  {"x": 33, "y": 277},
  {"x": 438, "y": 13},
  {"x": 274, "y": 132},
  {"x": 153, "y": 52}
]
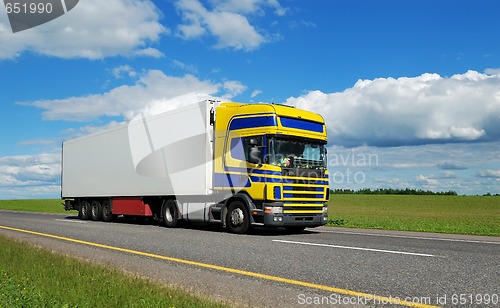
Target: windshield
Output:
[{"x": 292, "y": 153}]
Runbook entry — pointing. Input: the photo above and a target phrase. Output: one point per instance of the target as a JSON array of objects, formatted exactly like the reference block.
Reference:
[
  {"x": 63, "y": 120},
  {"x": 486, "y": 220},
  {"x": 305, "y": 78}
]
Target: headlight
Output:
[
  {"x": 325, "y": 210},
  {"x": 273, "y": 210}
]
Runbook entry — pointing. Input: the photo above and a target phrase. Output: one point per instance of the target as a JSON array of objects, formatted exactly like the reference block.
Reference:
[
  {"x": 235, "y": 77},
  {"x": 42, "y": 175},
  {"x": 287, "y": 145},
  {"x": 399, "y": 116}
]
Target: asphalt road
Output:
[{"x": 319, "y": 267}]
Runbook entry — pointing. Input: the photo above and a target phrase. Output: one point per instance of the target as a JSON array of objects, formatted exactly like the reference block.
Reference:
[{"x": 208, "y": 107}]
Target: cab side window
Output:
[
  {"x": 237, "y": 149},
  {"x": 242, "y": 148}
]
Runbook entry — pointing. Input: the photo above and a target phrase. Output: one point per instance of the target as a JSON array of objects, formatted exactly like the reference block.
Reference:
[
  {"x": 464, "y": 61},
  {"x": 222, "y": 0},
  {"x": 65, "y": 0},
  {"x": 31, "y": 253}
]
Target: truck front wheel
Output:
[
  {"x": 170, "y": 214},
  {"x": 237, "y": 219}
]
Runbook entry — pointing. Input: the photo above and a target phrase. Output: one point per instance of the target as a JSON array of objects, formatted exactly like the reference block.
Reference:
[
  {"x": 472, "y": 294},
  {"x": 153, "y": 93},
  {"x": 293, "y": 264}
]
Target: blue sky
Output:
[{"x": 410, "y": 89}]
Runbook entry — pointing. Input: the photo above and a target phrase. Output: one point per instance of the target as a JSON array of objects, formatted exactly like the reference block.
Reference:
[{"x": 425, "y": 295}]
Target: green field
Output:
[
  {"x": 32, "y": 277},
  {"x": 34, "y": 205},
  {"x": 479, "y": 215}
]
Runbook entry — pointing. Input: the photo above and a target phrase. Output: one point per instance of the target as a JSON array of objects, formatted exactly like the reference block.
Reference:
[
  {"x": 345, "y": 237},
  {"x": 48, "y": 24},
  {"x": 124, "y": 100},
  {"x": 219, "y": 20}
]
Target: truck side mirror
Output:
[
  {"x": 253, "y": 142},
  {"x": 254, "y": 151},
  {"x": 254, "y": 155}
]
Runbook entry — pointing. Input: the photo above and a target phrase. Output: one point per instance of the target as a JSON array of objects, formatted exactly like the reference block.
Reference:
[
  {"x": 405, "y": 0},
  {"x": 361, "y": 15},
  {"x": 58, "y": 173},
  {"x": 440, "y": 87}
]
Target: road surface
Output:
[{"x": 319, "y": 267}]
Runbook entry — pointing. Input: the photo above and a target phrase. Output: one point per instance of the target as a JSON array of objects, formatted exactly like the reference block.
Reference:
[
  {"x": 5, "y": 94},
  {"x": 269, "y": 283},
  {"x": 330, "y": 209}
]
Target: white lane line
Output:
[
  {"x": 412, "y": 237},
  {"x": 360, "y": 248},
  {"x": 73, "y": 221}
]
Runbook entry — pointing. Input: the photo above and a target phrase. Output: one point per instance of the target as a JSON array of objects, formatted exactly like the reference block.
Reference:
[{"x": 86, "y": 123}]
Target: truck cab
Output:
[{"x": 271, "y": 161}]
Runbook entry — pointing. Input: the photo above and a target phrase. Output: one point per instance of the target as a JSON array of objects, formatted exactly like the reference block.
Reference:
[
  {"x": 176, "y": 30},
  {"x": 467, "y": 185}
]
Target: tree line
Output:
[
  {"x": 393, "y": 191},
  {"x": 398, "y": 191}
]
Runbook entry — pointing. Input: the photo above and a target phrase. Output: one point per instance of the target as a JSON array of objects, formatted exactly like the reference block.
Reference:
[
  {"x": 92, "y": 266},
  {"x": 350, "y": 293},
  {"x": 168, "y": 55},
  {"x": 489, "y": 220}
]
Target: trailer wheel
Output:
[
  {"x": 170, "y": 214},
  {"x": 84, "y": 212},
  {"x": 107, "y": 216},
  {"x": 237, "y": 219},
  {"x": 96, "y": 210}
]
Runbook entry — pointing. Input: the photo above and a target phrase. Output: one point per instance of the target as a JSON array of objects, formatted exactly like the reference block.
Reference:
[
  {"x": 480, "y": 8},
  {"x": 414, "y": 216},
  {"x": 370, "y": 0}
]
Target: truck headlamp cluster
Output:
[
  {"x": 325, "y": 213},
  {"x": 273, "y": 210}
]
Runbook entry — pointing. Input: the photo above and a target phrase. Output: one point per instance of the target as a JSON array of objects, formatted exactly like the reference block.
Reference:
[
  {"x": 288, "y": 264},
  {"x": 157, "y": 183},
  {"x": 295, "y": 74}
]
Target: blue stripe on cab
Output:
[
  {"x": 309, "y": 196},
  {"x": 252, "y": 122},
  {"x": 302, "y": 124},
  {"x": 298, "y": 188}
]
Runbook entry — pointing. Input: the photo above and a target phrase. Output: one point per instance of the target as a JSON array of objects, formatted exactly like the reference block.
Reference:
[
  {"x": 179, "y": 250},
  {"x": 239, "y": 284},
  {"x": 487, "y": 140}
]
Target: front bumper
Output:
[{"x": 276, "y": 219}]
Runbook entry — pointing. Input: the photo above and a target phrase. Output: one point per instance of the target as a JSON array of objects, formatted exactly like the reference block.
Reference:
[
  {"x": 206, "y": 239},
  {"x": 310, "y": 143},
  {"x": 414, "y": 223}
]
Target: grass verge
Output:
[
  {"x": 34, "y": 205},
  {"x": 32, "y": 277},
  {"x": 477, "y": 215}
]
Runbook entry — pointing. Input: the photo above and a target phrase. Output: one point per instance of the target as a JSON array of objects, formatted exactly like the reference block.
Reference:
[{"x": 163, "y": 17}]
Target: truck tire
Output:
[
  {"x": 107, "y": 216},
  {"x": 95, "y": 210},
  {"x": 237, "y": 218},
  {"x": 170, "y": 214},
  {"x": 84, "y": 211}
]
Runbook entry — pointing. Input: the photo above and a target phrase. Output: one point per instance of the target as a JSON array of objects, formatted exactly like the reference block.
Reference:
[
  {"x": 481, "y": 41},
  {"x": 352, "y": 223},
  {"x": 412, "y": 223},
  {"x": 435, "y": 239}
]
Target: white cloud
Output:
[
  {"x": 467, "y": 168},
  {"x": 30, "y": 192},
  {"x": 190, "y": 68},
  {"x": 297, "y": 24},
  {"x": 125, "y": 100},
  {"x": 232, "y": 88},
  {"x": 149, "y": 52},
  {"x": 426, "y": 180},
  {"x": 94, "y": 29},
  {"x": 249, "y": 6},
  {"x": 89, "y": 129},
  {"x": 492, "y": 71},
  {"x": 255, "y": 93},
  {"x": 409, "y": 111},
  {"x": 121, "y": 70},
  {"x": 446, "y": 165},
  {"x": 39, "y": 142},
  {"x": 226, "y": 21},
  {"x": 30, "y": 170},
  {"x": 489, "y": 174}
]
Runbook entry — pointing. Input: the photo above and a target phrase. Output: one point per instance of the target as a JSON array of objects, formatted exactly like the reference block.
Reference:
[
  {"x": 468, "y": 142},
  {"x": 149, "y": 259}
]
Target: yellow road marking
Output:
[{"x": 370, "y": 297}]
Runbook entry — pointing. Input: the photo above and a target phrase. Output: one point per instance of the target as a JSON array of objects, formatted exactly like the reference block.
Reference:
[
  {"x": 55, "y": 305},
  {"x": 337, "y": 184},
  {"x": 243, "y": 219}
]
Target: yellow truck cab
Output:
[{"x": 273, "y": 159}]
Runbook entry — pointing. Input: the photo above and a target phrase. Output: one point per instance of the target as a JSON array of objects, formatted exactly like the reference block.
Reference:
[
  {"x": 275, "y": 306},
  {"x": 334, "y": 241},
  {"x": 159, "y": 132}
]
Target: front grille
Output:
[
  {"x": 304, "y": 197},
  {"x": 306, "y": 182},
  {"x": 303, "y": 188}
]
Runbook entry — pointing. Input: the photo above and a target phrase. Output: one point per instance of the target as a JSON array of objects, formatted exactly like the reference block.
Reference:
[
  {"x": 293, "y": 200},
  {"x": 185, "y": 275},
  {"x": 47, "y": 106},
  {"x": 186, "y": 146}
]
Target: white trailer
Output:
[{"x": 165, "y": 154}]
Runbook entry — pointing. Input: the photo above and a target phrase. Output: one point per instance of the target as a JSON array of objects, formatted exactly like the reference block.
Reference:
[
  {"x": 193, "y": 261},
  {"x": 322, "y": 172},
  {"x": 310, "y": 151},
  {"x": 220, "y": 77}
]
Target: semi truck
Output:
[{"x": 234, "y": 164}]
